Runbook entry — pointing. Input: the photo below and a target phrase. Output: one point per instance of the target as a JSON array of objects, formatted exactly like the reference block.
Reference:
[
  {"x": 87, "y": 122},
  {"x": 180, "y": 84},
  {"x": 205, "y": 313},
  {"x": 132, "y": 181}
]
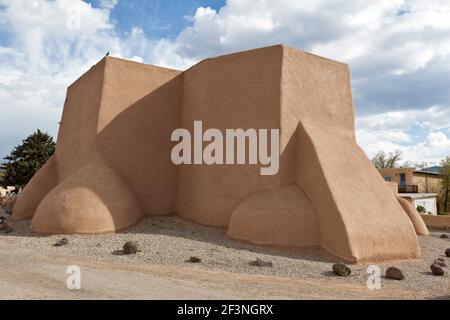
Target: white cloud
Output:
[
  {"x": 108, "y": 4},
  {"x": 431, "y": 150},
  {"x": 436, "y": 117},
  {"x": 398, "y": 51},
  {"x": 397, "y": 130},
  {"x": 400, "y": 36},
  {"x": 48, "y": 50}
]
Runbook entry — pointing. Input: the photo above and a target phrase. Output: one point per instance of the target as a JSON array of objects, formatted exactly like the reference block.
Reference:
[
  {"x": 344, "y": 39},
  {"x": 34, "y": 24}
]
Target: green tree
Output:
[
  {"x": 445, "y": 183},
  {"x": 383, "y": 160},
  {"x": 26, "y": 159}
]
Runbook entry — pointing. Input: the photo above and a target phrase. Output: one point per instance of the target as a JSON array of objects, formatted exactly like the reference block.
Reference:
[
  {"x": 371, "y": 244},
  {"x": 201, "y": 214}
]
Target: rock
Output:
[
  {"x": 440, "y": 263},
  {"x": 447, "y": 252},
  {"x": 194, "y": 260},
  {"x": 394, "y": 273},
  {"x": 341, "y": 269},
  {"x": 437, "y": 270},
  {"x": 8, "y": 211},
  {"x": 5, "y": 228},
  {"x": 444, "y": 236},
  {"x": 131, "y": 247},
  {"x": 61, "y": 242},
  {"x": 260, "y": 263}
]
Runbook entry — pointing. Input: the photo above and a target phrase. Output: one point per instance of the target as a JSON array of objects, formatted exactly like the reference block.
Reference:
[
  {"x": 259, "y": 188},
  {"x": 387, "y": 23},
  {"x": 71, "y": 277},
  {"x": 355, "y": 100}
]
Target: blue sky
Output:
[
  {"x": 398, "y": 52},
  {"x": 157, "y": 18}
]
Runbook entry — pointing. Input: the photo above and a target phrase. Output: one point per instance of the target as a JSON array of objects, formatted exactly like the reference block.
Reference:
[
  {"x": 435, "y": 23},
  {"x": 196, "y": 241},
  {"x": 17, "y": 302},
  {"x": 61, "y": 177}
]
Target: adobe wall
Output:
[
  {"x": 436, "y": 221},
  {"x": 112, "y": 165},
  {"x": 112, "y": 162},
  {"x": 232, "y": 91},
  {"x": 433, "y": 181},
  {"x": 134, "y": 138},
  {"x": 394, "y": 173},
  {"x": 347, "y": 191}
]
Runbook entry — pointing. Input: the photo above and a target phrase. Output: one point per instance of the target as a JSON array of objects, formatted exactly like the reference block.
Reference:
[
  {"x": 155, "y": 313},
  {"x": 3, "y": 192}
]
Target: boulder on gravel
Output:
[
  {"x": 440, "y": 263},
  {"x": 131, "y": 247},
  {"x": 194, "y": 260},
  {"x": 341, "y": 269},
  {"x": 444, "y": 236},
  {"x": 437, "y": 270},
  {"x": 447, "y": 252},
  {"x": 260, "y": 263},
  {"x": 61, "y": 242},
  {"x": 394, "y": 273}
]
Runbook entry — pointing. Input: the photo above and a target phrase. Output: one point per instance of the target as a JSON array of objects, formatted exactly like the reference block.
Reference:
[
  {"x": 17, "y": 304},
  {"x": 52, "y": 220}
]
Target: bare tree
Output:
[
  {"x": 383, "y": 160},
  {"x": 445, "y": 182}
]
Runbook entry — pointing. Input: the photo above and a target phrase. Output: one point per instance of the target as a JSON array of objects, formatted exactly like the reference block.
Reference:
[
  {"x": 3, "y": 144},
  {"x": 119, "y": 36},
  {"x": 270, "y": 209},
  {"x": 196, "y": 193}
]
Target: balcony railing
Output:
[{"x": 408, "y": 188}]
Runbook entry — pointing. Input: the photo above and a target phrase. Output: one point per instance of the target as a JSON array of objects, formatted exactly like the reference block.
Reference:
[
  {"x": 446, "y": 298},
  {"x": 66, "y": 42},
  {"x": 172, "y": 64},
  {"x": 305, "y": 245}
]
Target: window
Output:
[
  {"x": 387, "y": 179},
  {"x": 402, "y": 179}
]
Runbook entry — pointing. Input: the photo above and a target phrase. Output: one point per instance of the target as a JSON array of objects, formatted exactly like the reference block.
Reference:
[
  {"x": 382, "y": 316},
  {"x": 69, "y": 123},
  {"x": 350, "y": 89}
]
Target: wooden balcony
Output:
[{"x": 408, "y": 188}]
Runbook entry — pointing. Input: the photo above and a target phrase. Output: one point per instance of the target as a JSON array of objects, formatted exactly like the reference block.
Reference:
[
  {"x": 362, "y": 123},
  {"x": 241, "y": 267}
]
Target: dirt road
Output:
[
  {"x": 32, "y": 268},
  {"x": 26, "y": 274}
]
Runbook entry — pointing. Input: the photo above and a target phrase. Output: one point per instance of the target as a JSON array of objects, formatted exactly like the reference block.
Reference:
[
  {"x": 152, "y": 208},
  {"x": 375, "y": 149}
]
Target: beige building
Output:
[
  {"x": 113, "y": 165},
  {"x": 421, "y": 188},
  {"x": 410, "y": 180}
]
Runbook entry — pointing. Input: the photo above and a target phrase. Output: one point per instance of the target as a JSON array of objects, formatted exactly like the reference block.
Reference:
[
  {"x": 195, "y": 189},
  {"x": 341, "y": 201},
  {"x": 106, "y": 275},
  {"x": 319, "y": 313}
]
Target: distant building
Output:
[
  {"x": 420, "y": 187},
  {"x": 410, "y": 180},
  {"x": 5, "y": 191}
]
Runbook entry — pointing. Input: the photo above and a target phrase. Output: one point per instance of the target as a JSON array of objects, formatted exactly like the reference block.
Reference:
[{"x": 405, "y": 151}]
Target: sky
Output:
[{"x": 398, "y": 52}]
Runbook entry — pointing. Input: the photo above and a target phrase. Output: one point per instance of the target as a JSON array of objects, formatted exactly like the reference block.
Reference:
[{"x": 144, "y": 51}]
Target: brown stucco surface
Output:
[
  {"x": 112, "y": 163},
  {"x": 416, "y": 219},
  {"x": 436, "y": 221}
]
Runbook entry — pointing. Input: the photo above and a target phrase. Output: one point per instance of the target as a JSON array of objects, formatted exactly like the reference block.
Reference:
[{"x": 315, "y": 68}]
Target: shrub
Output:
[
  {"x": 421, "y": 209},
  {"x": 26, "y": 159}
]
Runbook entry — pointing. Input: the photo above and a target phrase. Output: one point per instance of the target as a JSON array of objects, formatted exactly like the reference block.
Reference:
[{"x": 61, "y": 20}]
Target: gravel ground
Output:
[{"x": 171, "y": 241}]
